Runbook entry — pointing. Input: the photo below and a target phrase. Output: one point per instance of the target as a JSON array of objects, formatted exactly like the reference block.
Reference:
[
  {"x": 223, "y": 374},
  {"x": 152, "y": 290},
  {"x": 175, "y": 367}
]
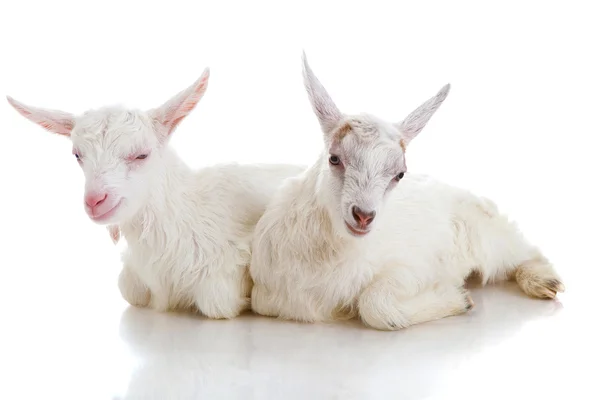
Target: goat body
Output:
[
  {"x": 189, "y": 247},
  {"x": 411, "y": 269},
  {"x": 355, "y": 235},
  {"x": 188, "y": 233}
]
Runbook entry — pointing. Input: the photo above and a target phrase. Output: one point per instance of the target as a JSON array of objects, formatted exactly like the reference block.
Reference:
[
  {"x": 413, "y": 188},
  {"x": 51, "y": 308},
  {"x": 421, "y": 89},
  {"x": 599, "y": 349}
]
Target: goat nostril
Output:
[
  {"x": 95, "y": 199},
  {"x": 355, "y": 214},
  {"x": 101, "y": 200}
]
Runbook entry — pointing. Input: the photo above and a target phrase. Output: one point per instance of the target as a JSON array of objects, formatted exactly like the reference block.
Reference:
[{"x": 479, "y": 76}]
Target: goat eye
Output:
[
  {"x": 141, "y": 156},
  {"x": 77, "y": 157},
  {"x": 399, "y": 176},
  {"x": 334, "y": 160}
]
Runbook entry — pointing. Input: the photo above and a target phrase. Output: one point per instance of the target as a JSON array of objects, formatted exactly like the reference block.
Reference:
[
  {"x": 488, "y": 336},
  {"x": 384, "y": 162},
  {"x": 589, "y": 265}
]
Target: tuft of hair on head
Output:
[
  {"x": 414, "y": 123},
  {"x": 327, "y": 112},
  {"x": 172, "y": 112},
  {"x": 55, "y": 121}
]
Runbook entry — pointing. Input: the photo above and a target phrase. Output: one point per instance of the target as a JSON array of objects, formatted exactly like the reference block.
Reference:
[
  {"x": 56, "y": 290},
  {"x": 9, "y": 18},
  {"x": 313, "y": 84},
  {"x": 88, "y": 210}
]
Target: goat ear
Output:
[
  {"x": 55, "y": 121},
  {"x": 171, "y": 113},
  {"x": 327, "y": 112},
  {"x": 416, "y": 120}
]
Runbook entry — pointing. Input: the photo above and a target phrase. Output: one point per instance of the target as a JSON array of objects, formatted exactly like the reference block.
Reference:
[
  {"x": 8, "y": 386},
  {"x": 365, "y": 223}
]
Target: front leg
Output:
[
  {"x": 263, "y": 302},
  {"x": 386, "y": 305},
  {"x": 132, "y": 288},
  {"x": 286, "y": 304},
  {"x": 225, "y": 293}
]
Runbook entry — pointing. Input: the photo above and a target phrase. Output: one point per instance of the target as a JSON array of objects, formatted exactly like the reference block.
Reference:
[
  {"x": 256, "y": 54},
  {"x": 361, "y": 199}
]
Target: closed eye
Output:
[{"x": 138, "y": 156}]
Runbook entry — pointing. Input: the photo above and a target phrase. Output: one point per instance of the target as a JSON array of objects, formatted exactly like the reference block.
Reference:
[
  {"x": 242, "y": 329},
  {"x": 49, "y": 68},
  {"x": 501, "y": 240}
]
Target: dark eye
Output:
[
  {"x": 77, "y": 157},
  {"x": 399, "y": 176},
  {"x": 334, "y": 160},
  {"x": 141, "y": 156}
]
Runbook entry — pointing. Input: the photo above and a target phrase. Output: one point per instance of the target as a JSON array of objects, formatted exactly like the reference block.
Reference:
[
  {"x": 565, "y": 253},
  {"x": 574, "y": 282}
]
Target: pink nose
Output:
[
  {"x": 95, "y": 199},
  {"x": 363, "y": 218}
]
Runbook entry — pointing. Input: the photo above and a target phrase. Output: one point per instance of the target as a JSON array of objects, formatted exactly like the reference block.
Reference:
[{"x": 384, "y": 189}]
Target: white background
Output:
[{"x": 520, "y": 126}]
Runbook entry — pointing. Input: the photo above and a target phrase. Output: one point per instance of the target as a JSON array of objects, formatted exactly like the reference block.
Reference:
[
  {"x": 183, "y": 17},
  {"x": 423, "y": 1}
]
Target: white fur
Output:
[
  {"x": 312, "y": 261},
  {"x": 188, "y": 233}
]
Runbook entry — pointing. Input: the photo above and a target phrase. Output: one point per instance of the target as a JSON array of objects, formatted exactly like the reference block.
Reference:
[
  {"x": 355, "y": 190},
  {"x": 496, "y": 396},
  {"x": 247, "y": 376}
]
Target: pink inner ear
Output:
[
  {"x": 189, "y": 103},
  {"x": 175, "y": 110},
  {"x": 60, "y": 128},
  {"x": 55, "y": 121}
]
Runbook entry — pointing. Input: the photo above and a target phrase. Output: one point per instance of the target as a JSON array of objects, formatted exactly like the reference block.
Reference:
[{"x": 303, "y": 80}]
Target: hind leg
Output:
[
  {"x": 537, "y": 278},
  {"x": 504, "y": 253},
  {"x": 534, "y": 274}
]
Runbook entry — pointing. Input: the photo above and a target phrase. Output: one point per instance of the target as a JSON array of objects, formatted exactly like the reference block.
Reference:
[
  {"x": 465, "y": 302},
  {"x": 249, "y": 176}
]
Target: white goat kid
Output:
[
  {"x": 188, "y": 233},
  {"x": 354, "y": 236}
]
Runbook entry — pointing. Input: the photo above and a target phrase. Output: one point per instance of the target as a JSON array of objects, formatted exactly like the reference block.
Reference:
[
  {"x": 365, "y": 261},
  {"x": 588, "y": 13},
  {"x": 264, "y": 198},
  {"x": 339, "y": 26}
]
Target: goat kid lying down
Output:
[
  {"x": 188, "y": 232},
  {"x": 356, "y": 235}
]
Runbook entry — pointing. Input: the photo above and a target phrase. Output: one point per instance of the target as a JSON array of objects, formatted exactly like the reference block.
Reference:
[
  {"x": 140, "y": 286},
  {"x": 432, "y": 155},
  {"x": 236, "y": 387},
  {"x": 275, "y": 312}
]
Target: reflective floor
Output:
[
  {"x": 509, "y": 346},
  {"x": 520, "y": 127}
]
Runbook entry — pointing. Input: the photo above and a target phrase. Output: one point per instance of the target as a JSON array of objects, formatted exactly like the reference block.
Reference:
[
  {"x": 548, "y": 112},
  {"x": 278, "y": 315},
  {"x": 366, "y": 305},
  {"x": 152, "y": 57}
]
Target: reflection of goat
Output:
[{"x": 182, "y": 356}]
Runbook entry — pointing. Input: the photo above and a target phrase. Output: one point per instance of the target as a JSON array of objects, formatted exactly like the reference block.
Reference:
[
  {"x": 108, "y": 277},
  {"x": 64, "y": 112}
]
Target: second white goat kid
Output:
[
  {"x": 356, "y": 235},
  {"x": 188, "y": 233}
]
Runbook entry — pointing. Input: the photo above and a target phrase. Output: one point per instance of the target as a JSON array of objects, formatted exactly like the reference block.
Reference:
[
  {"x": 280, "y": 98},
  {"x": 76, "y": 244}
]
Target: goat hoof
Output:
[{"x": 470, "y": 303}]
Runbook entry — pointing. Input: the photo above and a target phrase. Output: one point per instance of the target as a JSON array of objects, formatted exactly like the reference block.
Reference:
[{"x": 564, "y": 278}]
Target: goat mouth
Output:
[
  {"x": 355, "y": 232},
  {"x": 105, "y": 216}
]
